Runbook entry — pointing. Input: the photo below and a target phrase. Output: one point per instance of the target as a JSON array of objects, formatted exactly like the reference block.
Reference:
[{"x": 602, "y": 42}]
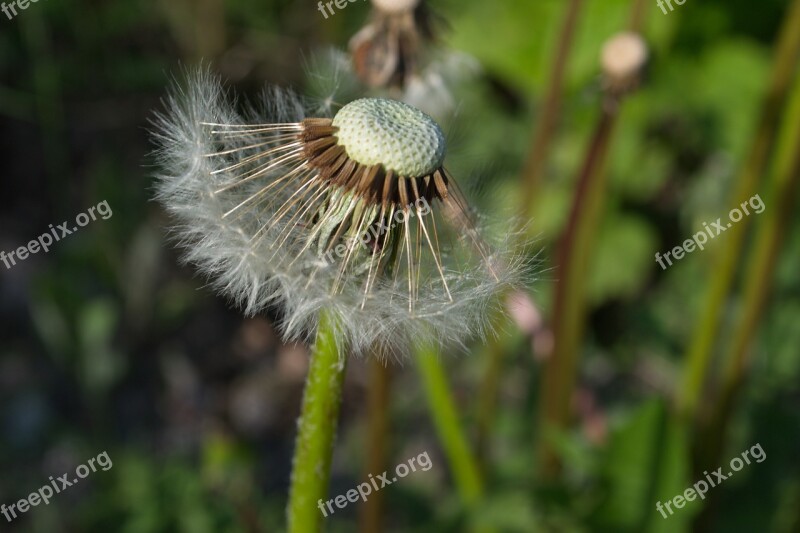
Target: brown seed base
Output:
[{"x": 375, "y": 184}]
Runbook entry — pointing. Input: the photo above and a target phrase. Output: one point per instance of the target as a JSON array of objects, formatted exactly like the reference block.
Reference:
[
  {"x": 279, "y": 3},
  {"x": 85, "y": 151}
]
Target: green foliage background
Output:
[{"x": 108, "y": 344}]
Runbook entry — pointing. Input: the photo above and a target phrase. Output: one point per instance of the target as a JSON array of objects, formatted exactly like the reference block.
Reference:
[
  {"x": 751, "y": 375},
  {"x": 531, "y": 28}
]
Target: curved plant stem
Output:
[
  {"x": 572, "y": 263},
  {"x": 551, "y": 108},
  {"x": 531, "y": 182},
  {"x": 724, "y": 267},
  {"x": 445, "y": 418},
  {"x": 316, "y": 432},
  {"x": 573, "y": 257},
  {"x": 371, "y": 519}
]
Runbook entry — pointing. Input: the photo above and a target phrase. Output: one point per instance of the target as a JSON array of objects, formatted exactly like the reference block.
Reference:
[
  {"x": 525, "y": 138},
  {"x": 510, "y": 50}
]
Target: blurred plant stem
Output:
[
  {"x": 726, "y": 260},
  {"x": 574, "y": 254},
  {"x": 47, "y": 98},
  {"x": 550, "y": 111},
  {"x": 445, "y": 418},
  {"x": 316, "y": 431},
  {"x": 573, "y": 257},
  {"x": 487, "y": 399},
  {"x": 531, "y": 182},
  {"x": 637, "y": 15},
  {"x": 198, "y": 27},
  {"x": 772, "y": 225},
  {"x": 371, "y": 519}
]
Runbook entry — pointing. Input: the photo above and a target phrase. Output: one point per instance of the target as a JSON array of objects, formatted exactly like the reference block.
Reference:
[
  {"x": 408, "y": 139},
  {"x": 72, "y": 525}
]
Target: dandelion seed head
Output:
[{"x": 354, "y": 216}]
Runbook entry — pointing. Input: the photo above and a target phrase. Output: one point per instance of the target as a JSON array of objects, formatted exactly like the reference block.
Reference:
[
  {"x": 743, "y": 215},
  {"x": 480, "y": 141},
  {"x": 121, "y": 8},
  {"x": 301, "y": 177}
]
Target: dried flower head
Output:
[
  {"x": 624, "y": 58},
  {"x": 386, "y": 52},
  {"x": 396, "y": 6},
  {"x": 354, "y": 215}
]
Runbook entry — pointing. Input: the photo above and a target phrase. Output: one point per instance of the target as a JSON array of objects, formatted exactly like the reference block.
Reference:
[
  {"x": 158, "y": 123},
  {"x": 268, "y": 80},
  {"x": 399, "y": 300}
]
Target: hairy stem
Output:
[{"x": 316, "y": 432}]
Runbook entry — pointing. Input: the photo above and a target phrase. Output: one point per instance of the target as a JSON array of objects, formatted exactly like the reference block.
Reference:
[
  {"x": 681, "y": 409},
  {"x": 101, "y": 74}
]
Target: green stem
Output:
[
  {"x": 316, "y": 432},
  {"x": 772, "y": 225},
  {"x": 724, "y": 267},
  {"x": 760, "y": 277},
  {"x": 442, "y": 407}
]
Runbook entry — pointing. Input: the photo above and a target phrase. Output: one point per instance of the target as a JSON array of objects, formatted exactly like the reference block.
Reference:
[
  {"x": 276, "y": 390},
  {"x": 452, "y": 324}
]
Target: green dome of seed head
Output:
[{"x": 399, "y": 137}]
